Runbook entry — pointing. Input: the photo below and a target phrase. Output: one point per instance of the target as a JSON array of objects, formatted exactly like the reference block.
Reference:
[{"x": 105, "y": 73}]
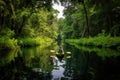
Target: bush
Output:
[
  {"x": 6, "y": 40},
  {"x": 27, "y": 32},
  {"x": 36, "y": 41},
  {"x": 6, "y": 33},
  {"x": 103, "y": 41},
  {"x": 7, "y": 43}
]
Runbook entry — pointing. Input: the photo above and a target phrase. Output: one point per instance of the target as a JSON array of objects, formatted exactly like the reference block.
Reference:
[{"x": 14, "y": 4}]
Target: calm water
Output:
[{"x": 77, "y": 63}]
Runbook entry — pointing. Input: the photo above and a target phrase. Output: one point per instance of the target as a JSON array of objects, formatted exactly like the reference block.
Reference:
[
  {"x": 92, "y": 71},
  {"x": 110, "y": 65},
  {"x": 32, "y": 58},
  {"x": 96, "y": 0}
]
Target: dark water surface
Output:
[{"x": 77, "y": 63}]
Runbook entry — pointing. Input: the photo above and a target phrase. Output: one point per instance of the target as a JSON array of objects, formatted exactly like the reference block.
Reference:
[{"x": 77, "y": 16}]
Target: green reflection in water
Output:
[
  {"x": 38, "y": 57},
  {"x": 85, "y": 63},
  {"x": 102, "y": 52},
  {"x": 92, "y": 63},
  {"x": 6, "y": 56},
  {"x": 20, "y": 64}
]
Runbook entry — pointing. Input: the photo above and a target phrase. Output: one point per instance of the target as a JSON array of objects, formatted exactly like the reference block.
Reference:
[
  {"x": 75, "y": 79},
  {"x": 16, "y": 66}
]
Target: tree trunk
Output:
[
  {"x": 86, "y": 16},
  {"x": 83, "y": 33}
]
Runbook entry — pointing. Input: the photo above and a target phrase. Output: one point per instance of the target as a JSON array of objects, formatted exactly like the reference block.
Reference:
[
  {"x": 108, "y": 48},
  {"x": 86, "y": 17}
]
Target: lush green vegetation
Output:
[
  {"x": 29, "y": 42},
  {"x": 102, "y": 52},
  {"x": 8, "y": 43},
  {"x": 92, "y": 27},
  {"x": 99, "y": 41},
  {"x": 6, "y": 40},
  {"x": 86, "y": 19},
  {"x": 28, "y": 23}
]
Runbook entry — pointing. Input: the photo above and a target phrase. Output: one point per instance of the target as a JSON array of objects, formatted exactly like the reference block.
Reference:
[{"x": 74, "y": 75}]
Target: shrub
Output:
[
  {"x": 6, "y": 40},
  {"x": 6, "y": 33},
  {"x": 36, "y": 41},
  {"x": 7, "y": 43}
]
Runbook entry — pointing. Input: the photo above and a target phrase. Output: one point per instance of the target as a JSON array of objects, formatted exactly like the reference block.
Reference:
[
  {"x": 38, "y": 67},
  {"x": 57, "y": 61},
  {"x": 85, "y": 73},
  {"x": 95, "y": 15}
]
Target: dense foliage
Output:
[
  {"x": 26, "y": 22},
  {"x": 85, "y": 18}
]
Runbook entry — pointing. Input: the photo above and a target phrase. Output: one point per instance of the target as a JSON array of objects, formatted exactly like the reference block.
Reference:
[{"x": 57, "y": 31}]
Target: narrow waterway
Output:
[{"x": 44, "y": 63}]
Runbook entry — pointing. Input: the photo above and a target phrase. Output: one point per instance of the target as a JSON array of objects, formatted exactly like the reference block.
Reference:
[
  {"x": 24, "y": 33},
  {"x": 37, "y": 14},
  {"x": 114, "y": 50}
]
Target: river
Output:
[{"x": 77, "y": 63}]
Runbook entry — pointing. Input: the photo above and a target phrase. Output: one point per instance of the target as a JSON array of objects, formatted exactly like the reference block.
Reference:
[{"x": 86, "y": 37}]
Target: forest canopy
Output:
[{"x": 26, "y": 20}]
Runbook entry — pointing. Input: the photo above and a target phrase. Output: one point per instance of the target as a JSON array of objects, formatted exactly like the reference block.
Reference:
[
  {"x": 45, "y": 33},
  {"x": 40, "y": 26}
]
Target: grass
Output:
[{"x": 99, "y": 41}]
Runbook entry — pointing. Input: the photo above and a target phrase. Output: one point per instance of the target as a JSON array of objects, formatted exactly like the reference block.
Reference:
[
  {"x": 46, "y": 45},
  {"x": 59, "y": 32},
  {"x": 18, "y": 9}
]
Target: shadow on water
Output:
[
  {"x": 91, "y": 63},
  {"x": 18, "y": 68},
  {"x": 46, "y": 63}
]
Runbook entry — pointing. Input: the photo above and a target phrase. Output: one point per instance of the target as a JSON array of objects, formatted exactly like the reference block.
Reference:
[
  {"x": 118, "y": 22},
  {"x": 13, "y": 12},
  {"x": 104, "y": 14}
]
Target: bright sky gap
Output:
[{"x": 60, "y": 9}]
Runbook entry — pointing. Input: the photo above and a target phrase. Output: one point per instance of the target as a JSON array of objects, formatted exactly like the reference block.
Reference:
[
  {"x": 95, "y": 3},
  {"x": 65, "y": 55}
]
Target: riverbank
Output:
[
  {"x": 36, "y": 41},
  {"x": 102, "y": 52},
  {"x": 100, "y": 41},
  {"x": 8, "y": 43}
]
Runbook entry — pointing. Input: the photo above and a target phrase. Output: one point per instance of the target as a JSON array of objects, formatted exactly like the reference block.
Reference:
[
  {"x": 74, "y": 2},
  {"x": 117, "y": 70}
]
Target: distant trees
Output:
[
  {"x": 27, "y": 17},
  {"x": 26, "y": 23},
  {"x": 83, "y": 18},
  {"x": 86, "y": 18}
]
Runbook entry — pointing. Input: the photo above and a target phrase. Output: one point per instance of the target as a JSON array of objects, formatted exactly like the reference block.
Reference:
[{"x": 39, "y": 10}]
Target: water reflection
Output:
[
  {"x": 6, "y": 56},
  {"x": 46, "y": 63},
  {"x": 38, "y": 58},
  {"x": 90, "y": 63},
  {"x": 59, "y": 61},
  {"x": 17, "y": 70},
  {"x": 58, "y": 70}
]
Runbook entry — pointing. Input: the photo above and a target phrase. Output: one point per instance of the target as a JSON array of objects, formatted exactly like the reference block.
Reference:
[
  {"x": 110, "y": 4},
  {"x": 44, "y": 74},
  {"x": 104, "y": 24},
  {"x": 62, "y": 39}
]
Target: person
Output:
[{"x": 60, "y": 49}]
